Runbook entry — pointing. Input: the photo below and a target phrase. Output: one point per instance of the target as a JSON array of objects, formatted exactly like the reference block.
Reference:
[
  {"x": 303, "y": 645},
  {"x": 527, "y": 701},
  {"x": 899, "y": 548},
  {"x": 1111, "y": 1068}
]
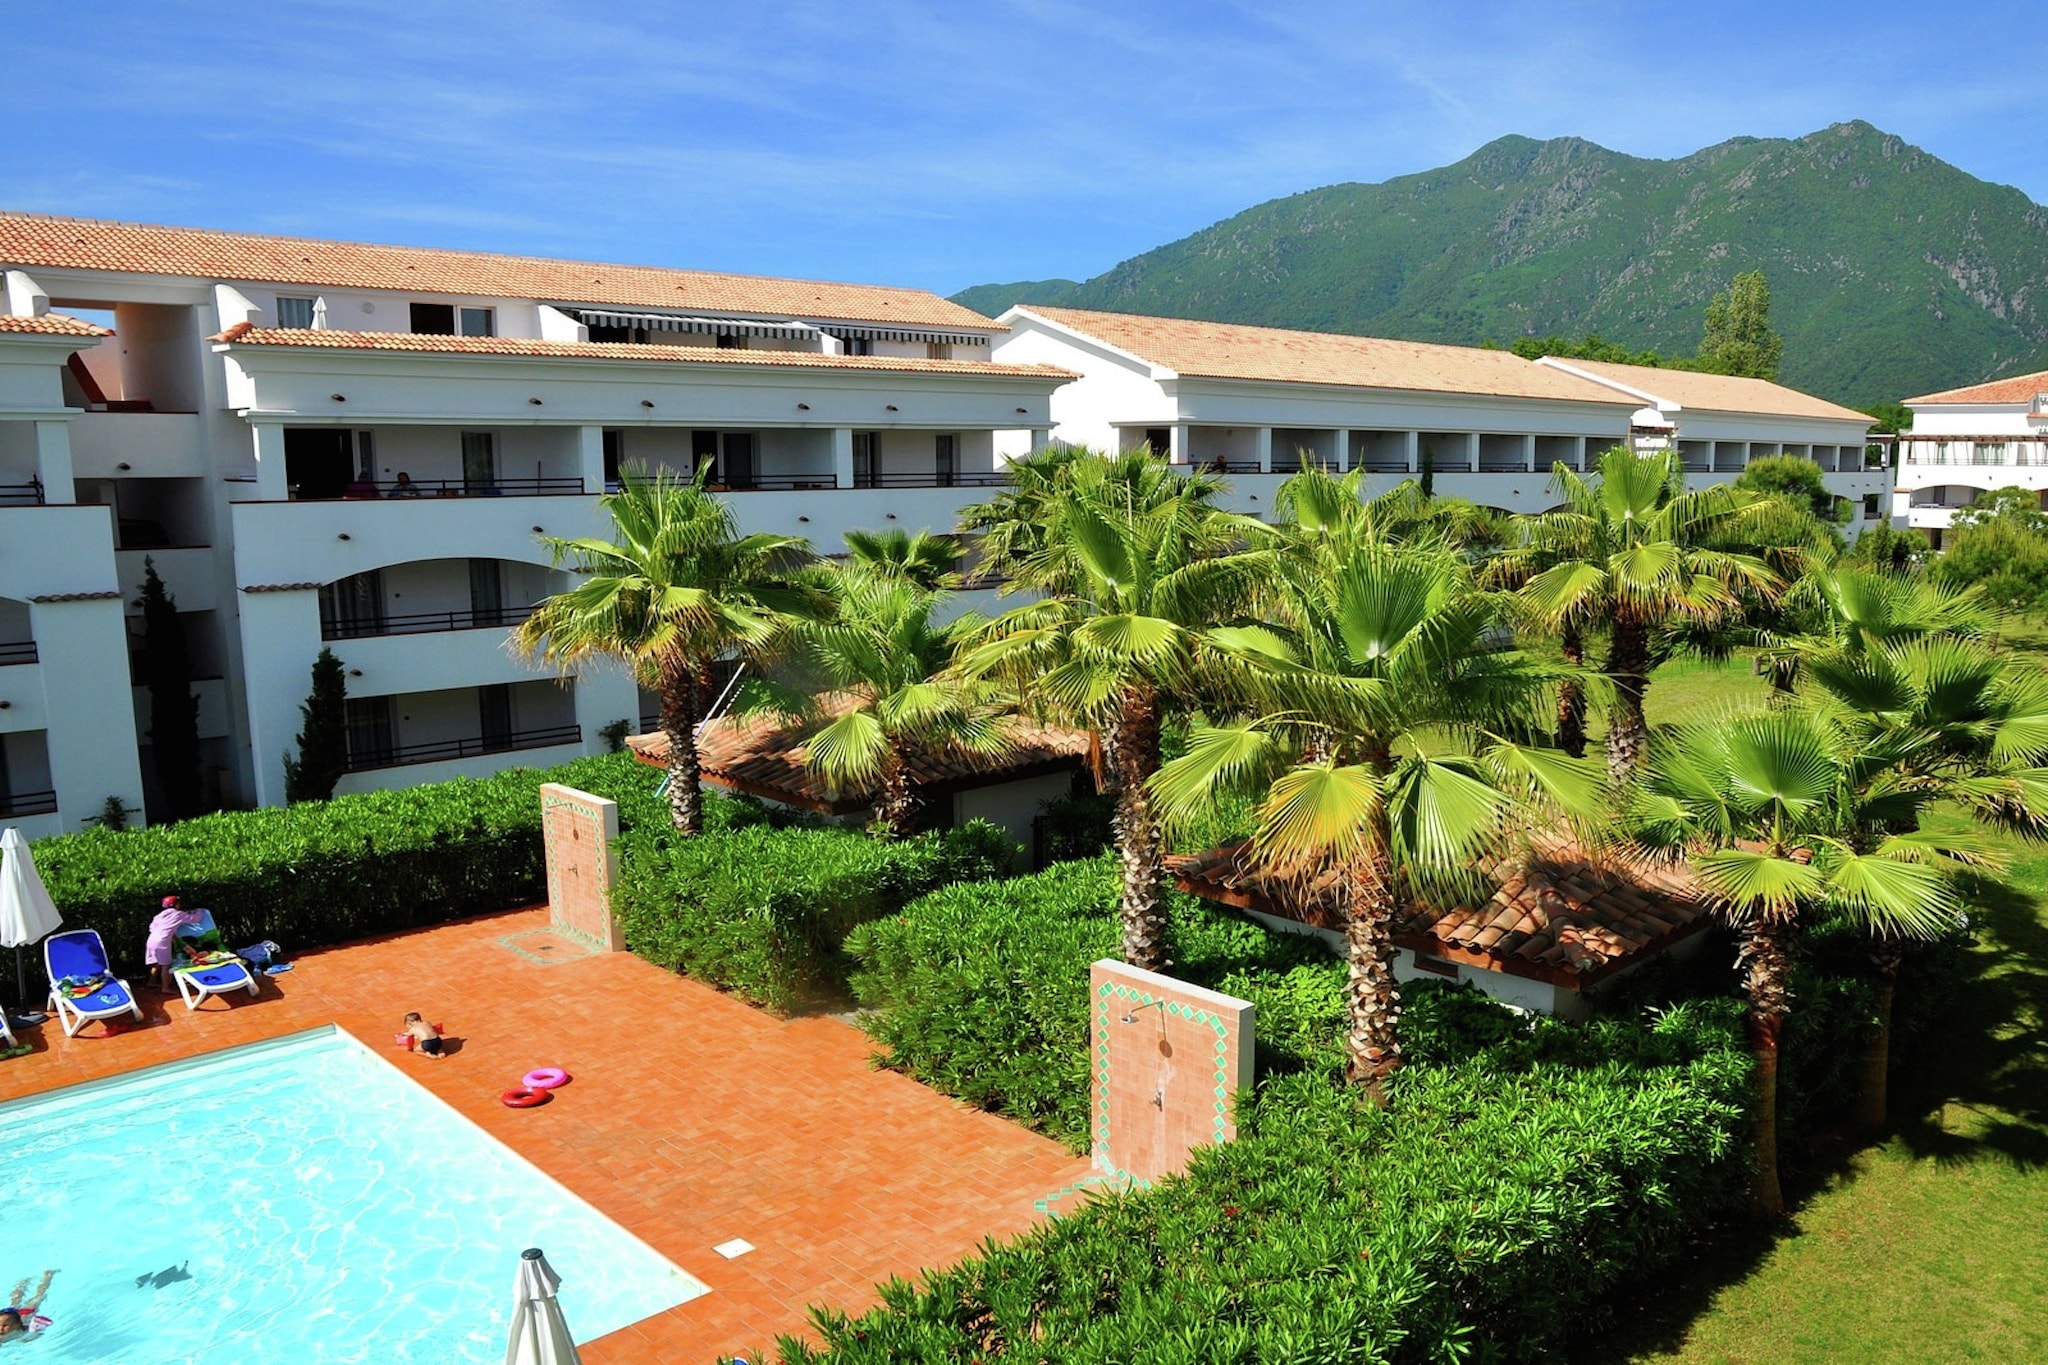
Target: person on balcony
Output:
[{"x": 404, "y": 488}]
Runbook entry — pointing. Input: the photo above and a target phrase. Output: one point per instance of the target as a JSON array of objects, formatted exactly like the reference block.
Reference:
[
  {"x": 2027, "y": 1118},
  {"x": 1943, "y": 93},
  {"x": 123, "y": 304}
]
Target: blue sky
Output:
[{"x": 938, "y": 144}]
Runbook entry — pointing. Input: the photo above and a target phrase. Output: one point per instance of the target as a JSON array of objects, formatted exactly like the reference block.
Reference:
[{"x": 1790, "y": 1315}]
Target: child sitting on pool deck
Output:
[
  {"x": 425, "y": 1037},
  {"x": 19, "y": 1317}
]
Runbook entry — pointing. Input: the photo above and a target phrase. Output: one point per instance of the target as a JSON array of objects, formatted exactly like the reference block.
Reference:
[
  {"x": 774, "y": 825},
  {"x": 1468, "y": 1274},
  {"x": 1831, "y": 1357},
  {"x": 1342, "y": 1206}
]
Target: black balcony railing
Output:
[
  {"x": 27, "y": 803},
  {"x": 398, "y": 755},
  {"x": 364, "y": 490},
  {"x": 777, "y": 483},
  {"x": 932, "y": 478},
  {"x": 418, "y": 623},
  {"x": 28, "y": 494},
  {"x": 20, "y": 652}
]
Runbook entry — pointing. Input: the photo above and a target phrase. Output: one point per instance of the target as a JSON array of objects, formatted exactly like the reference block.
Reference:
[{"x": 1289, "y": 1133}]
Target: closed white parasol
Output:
[
  {"x": 27, "y": 914},
  {"x": 539, "y": 1334}
]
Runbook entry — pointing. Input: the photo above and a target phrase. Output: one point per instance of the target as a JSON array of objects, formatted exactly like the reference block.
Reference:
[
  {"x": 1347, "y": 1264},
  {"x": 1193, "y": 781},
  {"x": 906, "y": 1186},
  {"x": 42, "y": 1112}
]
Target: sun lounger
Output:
[
  {"x": 223, "y": 973},
  {"x": 78, "y": 956}
]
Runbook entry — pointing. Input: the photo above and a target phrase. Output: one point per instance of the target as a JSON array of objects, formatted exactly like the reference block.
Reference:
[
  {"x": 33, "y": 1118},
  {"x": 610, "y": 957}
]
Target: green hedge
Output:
[
  {"x": 330, "y": 871},
  {"x": 763, "y": 911},
  {"x": 981, "y": 991},
  {"x": 1483, "y": 1215}
]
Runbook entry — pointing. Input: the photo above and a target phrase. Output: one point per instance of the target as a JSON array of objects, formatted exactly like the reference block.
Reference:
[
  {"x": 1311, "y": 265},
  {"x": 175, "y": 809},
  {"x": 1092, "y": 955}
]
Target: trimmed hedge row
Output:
[
  {"x": 981, "y": 991},
  {"x": 1483, "y": 1215},
  {"x": 328, "y": 871},
  {"x": 763, "y": 911}
]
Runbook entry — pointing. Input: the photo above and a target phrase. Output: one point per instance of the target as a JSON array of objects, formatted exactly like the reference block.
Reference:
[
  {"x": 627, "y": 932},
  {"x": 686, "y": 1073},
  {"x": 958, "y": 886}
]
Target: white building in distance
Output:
[
  {"x": 1969, "y": 441},
  {"x": 1258, "y": 402}
]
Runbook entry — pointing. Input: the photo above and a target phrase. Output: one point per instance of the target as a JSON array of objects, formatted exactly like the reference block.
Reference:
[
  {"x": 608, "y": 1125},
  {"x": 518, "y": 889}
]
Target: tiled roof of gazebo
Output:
[{"x": 1558, "y": 914}]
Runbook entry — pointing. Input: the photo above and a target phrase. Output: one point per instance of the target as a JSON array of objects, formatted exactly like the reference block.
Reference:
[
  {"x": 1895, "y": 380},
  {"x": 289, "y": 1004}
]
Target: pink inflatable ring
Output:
[{"x": 544, "y": 1078}]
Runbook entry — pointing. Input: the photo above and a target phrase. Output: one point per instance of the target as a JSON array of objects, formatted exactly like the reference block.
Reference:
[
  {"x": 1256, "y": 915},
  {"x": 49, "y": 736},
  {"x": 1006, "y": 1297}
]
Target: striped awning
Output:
[
  {"x": 677, "y": 322},
  {"x": 861, "y": 332}
]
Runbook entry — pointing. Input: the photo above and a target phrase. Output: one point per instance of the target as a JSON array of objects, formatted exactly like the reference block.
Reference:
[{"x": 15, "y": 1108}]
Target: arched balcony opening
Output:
[{"x": 430, "y": 596}]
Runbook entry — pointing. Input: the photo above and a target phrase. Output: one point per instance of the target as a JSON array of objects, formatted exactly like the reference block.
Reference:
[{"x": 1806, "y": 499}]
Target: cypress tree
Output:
[
  {"x": 173, "y": 708},
  {"x": 323, "y": 739},
  {"x": 1738, "y": 337}
]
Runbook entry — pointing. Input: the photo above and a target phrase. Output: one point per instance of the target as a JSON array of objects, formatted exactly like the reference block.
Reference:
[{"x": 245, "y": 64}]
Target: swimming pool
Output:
[{"x": 297, "y": 1202}]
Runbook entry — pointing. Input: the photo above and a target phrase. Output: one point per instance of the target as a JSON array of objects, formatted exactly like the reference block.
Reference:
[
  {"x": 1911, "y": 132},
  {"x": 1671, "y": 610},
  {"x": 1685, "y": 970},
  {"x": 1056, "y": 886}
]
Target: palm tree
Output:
[
  {"x": 1013, "y": 527},
  {"x": 929, "y": 560},
  {"x": 1630, "y": 549},
  {"x": 1387, "y": 744},
  {"x": 1133, "y": 560},
  {"x": 674, "y": 591},
  {"x": 1957, "y": 723},
  {"x": 883, "y": 658},
  {"x": 1856, "y": 608},
  {"x": 1776, "y": 812}
]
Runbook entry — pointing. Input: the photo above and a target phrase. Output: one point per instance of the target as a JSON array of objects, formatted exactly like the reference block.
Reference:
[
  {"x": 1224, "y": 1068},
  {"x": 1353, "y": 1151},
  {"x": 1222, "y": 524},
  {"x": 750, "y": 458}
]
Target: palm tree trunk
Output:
[
  {"x": 896, "y": 808},
  {"x": 1372, "y": 997},
  {"x": 679, "y": 713},
  {"x": 1767, "y": 959},
  {"x": 1628, "y": 671},
  {"x": 1875, "y": 1100},
  {"x": 1134, "y": 752},
  {"x": 1571, "y": 697}
]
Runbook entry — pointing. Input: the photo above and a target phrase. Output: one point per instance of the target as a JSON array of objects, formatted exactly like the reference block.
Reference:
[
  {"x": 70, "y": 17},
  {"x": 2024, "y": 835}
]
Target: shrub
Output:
[
  {"x": 1075, "y": 826},
  {"x": 1483, "y": 1214},
  {"x": 982, "y": 991},
  {"x": 327, "y": 871},
  {"x": 763, "y": 912}
]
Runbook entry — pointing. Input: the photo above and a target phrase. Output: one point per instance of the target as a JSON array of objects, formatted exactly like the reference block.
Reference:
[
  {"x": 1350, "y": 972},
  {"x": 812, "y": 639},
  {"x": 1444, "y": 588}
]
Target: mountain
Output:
[{"x": 1892, "y": 272}]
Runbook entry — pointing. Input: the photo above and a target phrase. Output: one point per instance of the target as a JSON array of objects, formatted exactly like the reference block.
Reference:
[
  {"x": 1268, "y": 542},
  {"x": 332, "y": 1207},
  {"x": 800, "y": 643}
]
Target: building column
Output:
[
  {"x": 1529, "y": 453},
  {"x": 842, "y": 454},
  {"x": 1343, "y": 452},
  {"x": 1412, "y": 450},
  {"x": 82, "y": 649},
  {"x": 1041, "y": 441},
  {"x": 590, "y": 458},
  {"x": 1263, "y": 444},
  {"x": 1179, "y": 447},
  {"x": 270, "y": 476},
  {"x": 53, "y": 462},
  {"x": 1586, "y": 453}
]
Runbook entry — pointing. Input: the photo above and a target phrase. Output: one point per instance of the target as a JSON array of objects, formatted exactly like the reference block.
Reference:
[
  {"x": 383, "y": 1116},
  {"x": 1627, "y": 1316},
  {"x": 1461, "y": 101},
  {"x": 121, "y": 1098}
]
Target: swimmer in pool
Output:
[{"x": 19, "y": 1317}]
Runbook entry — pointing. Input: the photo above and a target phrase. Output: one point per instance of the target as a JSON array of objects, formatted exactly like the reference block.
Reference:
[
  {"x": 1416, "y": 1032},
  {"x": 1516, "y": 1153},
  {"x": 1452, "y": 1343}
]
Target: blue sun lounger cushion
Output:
[
  {"x": 195, "y": 983},
  {"x": 78, "y": 953}
]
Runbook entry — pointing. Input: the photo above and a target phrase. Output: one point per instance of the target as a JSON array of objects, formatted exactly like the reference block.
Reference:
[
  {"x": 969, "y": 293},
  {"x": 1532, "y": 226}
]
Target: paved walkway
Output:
[{"x": 693, "y": 1119}]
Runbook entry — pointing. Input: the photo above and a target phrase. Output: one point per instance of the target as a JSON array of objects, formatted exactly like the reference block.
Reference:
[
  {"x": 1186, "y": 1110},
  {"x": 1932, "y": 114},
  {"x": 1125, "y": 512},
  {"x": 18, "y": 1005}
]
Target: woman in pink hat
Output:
[{"x": 162, "y": 929}]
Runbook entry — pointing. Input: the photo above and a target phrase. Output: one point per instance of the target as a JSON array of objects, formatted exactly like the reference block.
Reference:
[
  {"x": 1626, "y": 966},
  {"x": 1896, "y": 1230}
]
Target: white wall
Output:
[{"x": 1012, "y": 806}]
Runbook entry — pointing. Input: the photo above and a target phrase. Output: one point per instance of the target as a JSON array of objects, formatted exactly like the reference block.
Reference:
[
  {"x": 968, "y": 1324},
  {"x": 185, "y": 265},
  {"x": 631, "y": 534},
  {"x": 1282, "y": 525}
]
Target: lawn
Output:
[{"x": 1932, "y": 1246}]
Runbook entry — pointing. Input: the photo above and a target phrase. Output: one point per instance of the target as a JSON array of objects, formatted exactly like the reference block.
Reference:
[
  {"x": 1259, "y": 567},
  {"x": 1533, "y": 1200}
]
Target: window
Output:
[
  {"x": 737, "y": 459},
  {"x": 614, "y": 447},
  {"x": 479, "y": 462},
  {"x": 353, "y": 606},
  {"x": 728, "y": 342},
  {"x": 494, "y": 716},
  {"x": 864, "y": 446},
  {"x": 602, "y": 333},
  {"x": 857, "y": 345},
  {"x": 294, "y": 312},
  {"x": 479, "y": 322},
  {"x": 948, "y": 466},
  {"x": 937, "y": 350},
  {"x": 1161, "y": 441},
  {"x": 1869, "y": 506},
  {"x": 704, "y": 454},
  {"x": 372, "y": 738},
  {"x": 486, "y": 593},
  {"x": 366, "y": 456},
  {"x": 433, "y": 319}
]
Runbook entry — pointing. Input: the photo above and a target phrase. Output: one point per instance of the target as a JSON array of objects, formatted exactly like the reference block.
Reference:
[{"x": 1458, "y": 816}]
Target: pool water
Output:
[{"x": 297, "y": 1202}]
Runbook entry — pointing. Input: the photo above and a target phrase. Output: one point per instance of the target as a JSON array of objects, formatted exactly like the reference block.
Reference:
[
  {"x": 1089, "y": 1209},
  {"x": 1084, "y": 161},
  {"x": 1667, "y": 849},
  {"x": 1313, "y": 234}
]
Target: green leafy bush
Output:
[
  {"x": 764, "y": 911},
  {"x": 1483, "y": 1214},
  {"x": 329, "y": 871},
  {"x": 982, "y": 991}
]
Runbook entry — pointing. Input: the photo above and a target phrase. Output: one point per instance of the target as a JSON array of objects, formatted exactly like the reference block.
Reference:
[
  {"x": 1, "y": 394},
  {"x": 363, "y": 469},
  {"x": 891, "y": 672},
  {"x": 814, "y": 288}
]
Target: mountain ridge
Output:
[{"x": 1892, "y": 272}]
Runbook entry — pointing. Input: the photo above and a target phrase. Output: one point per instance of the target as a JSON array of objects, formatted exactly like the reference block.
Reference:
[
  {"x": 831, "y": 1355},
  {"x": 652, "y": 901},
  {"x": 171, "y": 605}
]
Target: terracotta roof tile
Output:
[
  {"x": 764, "y": 756},
  {"x": 333, "y": 339},
  {"x": 1556, "y": 914},
  {"x": 2022, "y": 388},
  {"x": 52, "y": 324},
  {"x": 1223, "y": 350},
  {"x": 28, "y": 239},
  {"x": 1713, "y": 392}
]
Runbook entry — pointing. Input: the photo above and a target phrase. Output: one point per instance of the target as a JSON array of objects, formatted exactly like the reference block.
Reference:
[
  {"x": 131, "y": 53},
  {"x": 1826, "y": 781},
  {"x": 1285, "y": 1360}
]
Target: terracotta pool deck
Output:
[{"x": 692, "y": 1118}]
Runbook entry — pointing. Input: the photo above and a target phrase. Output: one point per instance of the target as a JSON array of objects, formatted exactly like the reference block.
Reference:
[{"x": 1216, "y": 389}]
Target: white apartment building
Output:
[
  {"x": 1969, "y": 441},
  {"x": 1256, "y": 402},
  {"x": 323, "y": 443}
]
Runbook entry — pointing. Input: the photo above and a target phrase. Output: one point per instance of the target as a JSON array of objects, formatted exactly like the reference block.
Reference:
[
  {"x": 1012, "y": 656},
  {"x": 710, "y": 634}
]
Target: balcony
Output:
[
  {"x": 17, "y": 652},
  {"x": 425, "y": 623},
  {"x": 14, "y": 804},
  {"x": 930, "y": 478},
  {"x": 28, "y": 494},
  {"x": 114, "y": 445},
  {"x": 442, "y": 750},
  {"x": 368, "y": 490}
]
